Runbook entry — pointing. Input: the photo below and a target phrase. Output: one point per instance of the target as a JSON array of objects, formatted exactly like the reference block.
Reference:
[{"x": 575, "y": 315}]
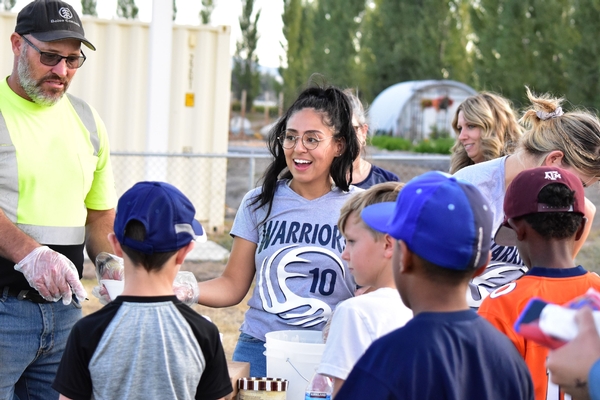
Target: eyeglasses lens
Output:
[
  {"x": 51, "y": 59},
  {"x": 309, "y": 140}
]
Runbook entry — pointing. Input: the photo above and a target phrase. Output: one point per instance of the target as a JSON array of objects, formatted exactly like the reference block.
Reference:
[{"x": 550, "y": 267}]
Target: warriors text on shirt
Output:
[{"x": 282, "y": 232}]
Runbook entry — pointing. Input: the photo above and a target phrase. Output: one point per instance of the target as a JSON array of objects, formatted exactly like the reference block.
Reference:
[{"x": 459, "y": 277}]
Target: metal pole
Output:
[{"x": 159, "y": 87}]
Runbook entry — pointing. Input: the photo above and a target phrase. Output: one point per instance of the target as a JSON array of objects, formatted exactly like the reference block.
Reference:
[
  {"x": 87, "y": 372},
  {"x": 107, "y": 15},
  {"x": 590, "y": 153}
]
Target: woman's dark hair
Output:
[
  {"x": 336, "y": 113},
  {"x": 555, "y": 225}
]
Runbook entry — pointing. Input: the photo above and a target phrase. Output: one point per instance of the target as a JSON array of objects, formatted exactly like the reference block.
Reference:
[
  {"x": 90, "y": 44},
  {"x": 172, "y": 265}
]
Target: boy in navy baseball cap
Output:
[
  {"x": 146, "y": 333},
  {"x": 166, "y": 216},
  {"x": 442, "y": 228}
]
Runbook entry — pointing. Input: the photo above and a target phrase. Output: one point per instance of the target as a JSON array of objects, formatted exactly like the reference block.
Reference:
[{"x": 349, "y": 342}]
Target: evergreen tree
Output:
[
  {"x": 297, "y": 31},
  {"x": 88, "y": 7},
  {"x": 457, "y": 61},
  {"x": 409, "y": 40},
  {"x": 206, "y": 11},
  {"x": 245, "y": 69},
  {"x": 174, "y": 10},
  {"x": 583, "y": 59},
  {"x": 521, "y": 42},
  {"x": 336, "y": 46},
  {"x": 127, "y": 9}
]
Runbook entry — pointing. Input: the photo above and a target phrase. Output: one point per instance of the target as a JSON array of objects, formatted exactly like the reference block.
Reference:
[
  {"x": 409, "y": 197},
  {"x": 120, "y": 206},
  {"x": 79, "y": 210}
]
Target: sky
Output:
[{"x": 226, "y": 12}]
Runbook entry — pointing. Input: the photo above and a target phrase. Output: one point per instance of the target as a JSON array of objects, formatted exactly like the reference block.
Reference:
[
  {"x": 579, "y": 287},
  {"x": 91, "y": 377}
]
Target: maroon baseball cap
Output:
[
  {"x": 51, "y": 20},
  {"x": 521, "y": 198}
]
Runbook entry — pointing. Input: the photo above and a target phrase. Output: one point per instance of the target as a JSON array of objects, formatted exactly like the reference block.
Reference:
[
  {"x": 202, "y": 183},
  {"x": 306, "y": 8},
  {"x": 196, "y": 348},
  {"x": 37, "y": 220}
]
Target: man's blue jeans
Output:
[{"x": 32, "y": 340}]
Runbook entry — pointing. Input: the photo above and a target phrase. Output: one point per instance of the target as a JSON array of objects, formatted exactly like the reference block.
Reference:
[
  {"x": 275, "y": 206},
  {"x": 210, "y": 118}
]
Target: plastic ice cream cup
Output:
[{"x": 114, "y": 287}]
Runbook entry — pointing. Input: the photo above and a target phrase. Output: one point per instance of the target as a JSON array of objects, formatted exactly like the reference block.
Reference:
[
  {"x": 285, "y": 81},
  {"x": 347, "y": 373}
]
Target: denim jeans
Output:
[
  {"x": 32, "y": 340},
  {"x": 251, "y": 349}
]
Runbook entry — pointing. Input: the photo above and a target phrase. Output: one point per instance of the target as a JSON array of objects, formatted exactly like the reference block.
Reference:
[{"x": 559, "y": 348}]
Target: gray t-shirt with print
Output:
[{"x": 300, "y": 275}]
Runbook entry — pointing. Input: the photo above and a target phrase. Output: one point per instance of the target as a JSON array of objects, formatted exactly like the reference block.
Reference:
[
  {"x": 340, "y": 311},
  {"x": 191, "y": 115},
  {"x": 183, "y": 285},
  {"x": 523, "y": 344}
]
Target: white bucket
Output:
[{"x": 294, "y": 355}]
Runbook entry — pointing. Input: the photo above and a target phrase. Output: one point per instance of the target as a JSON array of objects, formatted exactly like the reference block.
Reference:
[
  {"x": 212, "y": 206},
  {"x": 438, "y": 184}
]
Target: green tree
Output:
[
  {"x": 206, "y": 11},
  {"x": 270, "y": 83},
  {"x": 9, "y": 4},
  {"x": 458, "y": 62},
  {"x": 297, "y": 20},
  {"x": 521, "y": 42},
  {"x": 127, "y": 9},
  {"x": 88, "y": 7},
  {"x": 409, "y": 40},
  {"x": 245, "y": 68},
  {"x": 583, "y": 59},
  {"x": 174, "y": 10},
  {"x": 337, "y": 42}
]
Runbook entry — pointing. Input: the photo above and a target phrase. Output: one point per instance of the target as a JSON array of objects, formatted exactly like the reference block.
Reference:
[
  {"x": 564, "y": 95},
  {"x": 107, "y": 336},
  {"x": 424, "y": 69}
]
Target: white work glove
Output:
[
  {"x": 52, "y": 274},
  {"x": 186, "y": 288},
  {"x": 108, "y": 266}
]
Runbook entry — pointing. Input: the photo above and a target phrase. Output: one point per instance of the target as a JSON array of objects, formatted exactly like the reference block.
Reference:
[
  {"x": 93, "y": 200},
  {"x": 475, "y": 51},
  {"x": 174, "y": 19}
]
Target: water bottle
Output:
[{"x": 319, "y": 387}]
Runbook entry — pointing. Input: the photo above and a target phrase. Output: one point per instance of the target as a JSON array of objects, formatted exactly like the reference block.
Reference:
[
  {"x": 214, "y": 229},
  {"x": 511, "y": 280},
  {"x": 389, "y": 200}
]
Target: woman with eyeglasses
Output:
[
  {"x": 568, "y": 140},
  {"x": 365, "y": 174},
  {"x": 285, "y": 232}
]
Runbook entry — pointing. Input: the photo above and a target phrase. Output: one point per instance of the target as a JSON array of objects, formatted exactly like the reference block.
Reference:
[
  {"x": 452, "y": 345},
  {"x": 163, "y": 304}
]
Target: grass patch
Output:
[
  {"x": 434, "y": 146},
  {"x": 441, "y": 145},
  {"x": 391, "y": 143}
]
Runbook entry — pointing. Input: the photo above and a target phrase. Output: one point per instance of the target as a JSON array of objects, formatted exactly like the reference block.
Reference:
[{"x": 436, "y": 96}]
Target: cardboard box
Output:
[{"x": 237, "y": 369}]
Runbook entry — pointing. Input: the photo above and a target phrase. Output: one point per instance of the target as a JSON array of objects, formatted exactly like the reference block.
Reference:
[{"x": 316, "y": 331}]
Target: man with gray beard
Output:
[{"x": 56, "y": 196}]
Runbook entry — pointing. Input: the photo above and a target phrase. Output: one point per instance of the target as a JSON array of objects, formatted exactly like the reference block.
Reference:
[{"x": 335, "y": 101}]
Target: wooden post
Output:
[
  {"x": 242, "y": 113},
  {"x": 231, "y": 115},
  {"x": 266, "y": 108},
  {"x": 280, "y": 104}
]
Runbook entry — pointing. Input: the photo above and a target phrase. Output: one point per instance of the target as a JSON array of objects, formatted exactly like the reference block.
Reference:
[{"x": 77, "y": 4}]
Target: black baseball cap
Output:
[{"x": 51, "y": 20}]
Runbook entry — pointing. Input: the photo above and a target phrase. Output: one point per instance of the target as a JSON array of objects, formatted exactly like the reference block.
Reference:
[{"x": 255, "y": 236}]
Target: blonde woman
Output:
[
  {"x": 486, "y": 128},
  {"x": 568, "y": 140}
]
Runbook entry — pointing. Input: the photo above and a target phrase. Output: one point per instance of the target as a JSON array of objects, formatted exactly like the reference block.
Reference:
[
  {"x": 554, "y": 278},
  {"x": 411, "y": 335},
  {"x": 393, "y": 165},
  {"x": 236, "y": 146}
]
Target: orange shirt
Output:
[{"x": 504, "y": 305}]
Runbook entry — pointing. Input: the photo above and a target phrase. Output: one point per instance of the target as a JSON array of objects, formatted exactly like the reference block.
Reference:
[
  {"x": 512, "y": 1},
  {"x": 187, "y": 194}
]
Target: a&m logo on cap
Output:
[
  {"x": 552, "y": 175},
  {"x": 65, "y": 13}
]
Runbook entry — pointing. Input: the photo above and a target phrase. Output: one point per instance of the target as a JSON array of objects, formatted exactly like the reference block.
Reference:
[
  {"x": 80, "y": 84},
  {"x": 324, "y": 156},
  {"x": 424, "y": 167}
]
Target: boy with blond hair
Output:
[{"x": 358, "y": 321}]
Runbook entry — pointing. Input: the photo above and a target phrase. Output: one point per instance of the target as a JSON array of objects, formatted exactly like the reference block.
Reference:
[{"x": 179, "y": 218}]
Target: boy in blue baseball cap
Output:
[
  {"x": 442, "y": 228},
  {"x": 146, "y": 344}
]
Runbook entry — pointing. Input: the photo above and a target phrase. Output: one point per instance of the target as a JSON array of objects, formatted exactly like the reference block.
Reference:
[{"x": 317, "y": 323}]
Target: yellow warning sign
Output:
[{"x": 189, "y": 99}]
